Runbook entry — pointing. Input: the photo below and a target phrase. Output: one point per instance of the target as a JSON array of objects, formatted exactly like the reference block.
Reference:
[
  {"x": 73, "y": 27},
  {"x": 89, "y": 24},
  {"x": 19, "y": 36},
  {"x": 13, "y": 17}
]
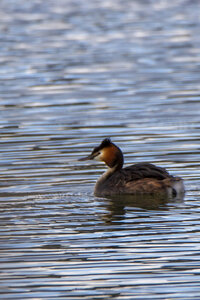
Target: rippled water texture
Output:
[{"x": 71, "y": 74}]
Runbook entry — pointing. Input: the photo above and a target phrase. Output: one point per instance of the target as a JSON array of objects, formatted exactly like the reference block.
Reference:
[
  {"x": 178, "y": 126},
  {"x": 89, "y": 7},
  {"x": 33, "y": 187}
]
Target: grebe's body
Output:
[{"x": 138, "y": 179}]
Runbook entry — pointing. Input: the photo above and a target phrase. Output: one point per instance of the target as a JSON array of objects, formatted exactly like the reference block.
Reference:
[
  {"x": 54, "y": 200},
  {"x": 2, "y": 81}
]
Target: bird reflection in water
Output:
[{"x": 118, "y": 205}]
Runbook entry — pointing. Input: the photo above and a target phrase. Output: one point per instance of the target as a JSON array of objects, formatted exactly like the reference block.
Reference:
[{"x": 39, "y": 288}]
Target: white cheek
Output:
[{"x": 98, "y": 157}]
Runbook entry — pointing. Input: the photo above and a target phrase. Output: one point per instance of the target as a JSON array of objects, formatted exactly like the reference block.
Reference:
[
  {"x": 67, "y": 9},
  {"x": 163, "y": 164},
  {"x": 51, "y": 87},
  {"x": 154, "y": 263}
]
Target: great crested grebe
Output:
[{"x": 138, "y": 179}]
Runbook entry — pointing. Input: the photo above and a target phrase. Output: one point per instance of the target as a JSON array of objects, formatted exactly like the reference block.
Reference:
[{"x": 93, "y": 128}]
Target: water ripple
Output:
[{"x": 73, "y": 73}]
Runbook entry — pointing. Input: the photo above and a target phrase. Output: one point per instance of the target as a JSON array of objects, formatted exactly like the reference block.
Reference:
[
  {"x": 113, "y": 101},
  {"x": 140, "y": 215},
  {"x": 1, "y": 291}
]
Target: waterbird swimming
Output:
[{"x": 138, "y": 179}]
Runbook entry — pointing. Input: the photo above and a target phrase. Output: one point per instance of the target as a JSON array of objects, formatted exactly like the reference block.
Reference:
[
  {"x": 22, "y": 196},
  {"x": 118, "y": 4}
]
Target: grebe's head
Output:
[{"x": 107, "y": 152}]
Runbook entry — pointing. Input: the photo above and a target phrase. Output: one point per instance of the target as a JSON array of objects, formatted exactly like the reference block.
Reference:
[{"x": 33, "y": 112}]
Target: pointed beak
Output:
[{"x": 89, "y": 157}]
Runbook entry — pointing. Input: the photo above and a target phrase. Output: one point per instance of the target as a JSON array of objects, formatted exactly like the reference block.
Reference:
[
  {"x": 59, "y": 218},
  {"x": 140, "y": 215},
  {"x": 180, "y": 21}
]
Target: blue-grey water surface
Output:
[{"x": 71, "y": 74}]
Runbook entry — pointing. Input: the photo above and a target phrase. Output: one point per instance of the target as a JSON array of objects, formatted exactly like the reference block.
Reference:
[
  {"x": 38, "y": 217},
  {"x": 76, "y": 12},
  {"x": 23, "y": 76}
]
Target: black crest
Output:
[{"x": 105, "y": 143}]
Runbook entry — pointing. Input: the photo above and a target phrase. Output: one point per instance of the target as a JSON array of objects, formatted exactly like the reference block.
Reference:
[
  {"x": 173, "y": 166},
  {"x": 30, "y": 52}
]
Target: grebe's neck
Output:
[{"x": 100, "y": 184}]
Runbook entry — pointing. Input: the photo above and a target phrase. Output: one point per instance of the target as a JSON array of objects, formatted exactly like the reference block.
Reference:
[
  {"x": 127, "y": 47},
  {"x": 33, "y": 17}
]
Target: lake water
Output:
[{"x": 73, "y": 73}]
